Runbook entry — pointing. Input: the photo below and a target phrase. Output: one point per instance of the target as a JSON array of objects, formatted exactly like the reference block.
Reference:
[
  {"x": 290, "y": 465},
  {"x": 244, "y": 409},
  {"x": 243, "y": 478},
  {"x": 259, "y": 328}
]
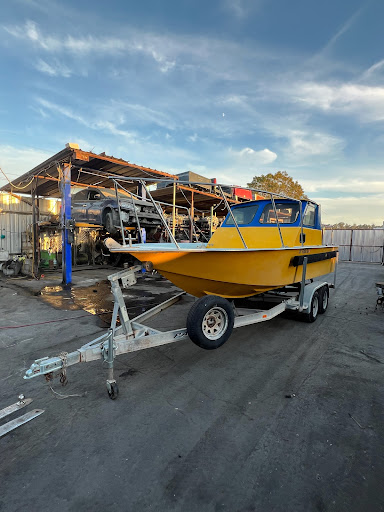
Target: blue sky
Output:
[{"x": 225, "y": 88}]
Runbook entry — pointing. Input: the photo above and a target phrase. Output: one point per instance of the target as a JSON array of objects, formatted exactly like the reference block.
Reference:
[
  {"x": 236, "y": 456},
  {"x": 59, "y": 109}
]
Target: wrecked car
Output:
[{"x": 99, "y": 207}]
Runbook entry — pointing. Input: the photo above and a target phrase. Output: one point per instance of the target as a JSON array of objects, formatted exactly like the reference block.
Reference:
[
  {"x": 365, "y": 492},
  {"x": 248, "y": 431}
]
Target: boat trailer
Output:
[{"x": 215, "y": 322}]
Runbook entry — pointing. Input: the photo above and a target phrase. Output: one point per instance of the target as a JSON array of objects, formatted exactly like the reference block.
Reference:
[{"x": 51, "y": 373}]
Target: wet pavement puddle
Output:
[{"x": 97, "y": 298}]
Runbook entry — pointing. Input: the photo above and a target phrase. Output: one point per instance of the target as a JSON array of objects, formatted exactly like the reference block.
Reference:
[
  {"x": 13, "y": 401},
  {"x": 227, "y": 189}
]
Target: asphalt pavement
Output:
[{"x": 286, "y": 416}]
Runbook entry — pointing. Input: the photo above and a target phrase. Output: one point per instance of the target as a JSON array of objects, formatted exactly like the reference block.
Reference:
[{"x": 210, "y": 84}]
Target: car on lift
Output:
[{"x": 99, "y": 206}]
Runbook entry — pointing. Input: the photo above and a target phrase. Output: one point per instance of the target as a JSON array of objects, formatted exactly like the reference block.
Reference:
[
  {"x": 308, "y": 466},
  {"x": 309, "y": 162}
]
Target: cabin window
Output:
[
  {"x": 286, "y": 213},
  {"x": 243, "y": 215},
  {"x": 309, "y": 218}
]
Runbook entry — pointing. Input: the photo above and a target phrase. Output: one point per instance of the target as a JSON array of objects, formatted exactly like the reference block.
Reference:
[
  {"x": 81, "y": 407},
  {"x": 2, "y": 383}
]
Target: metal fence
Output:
[
  {"x": 16, "y": 219},
  {"x": 364, "y": 245}
]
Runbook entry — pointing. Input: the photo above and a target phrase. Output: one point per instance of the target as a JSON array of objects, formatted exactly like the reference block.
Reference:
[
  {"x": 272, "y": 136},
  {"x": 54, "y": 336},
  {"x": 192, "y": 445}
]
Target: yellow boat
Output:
[{"x": 260, "y": 246}]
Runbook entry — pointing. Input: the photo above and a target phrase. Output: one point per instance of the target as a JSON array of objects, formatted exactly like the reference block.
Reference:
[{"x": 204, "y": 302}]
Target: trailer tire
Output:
[
  {"x": 313, "y": 308},
  {"x": 210, "y": 322},
  {"x": 323, "y": 299}
]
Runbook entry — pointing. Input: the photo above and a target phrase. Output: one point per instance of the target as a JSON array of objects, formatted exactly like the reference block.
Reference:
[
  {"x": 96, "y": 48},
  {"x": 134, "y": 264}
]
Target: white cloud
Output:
[
  {"x": 360, "y": 210},
  {"x": 53, "y": 69},
  {"x": 250, "y": 157},
  {"x": 100, "y": 124},
  {"x": 236, "y": 7},
  {"x": 303, "y": 141},
  {"x": 64, "y": 111},
  {"x": 17, "y": 161},
  {"x": 308, "y": 143},
  {"x": 241, "y": 8},
  {"x": 142, "y": 113},
  {"x": 343, "y": 29},
  {"x": 193, "y": 138},
  {"x": 378, "y": 66},
  {"x": 366, "y": 102},
  {"x": 344, "y": 184},
  {"x": 90, "y": 46},
  {"x": 241, "y": 166}
]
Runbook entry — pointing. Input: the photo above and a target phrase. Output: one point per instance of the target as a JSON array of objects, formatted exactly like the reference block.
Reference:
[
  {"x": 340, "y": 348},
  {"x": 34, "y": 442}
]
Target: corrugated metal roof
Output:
[
  {"x": 201, "y": 200},
  {"x": 87, "y": 168}
]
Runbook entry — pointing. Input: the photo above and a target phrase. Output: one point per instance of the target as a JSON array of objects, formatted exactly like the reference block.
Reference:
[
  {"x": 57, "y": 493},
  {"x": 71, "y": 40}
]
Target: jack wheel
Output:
[
  {"x": 113, "y": 390},
  {"x": 210, "y": 322}
]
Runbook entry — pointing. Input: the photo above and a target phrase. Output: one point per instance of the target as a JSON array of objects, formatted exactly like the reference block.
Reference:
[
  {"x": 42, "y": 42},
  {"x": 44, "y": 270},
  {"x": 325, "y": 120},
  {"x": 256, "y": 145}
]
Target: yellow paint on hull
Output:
[
  {"x": 234, "y": 273},
  {"x": 223, "y": 267},
  {"x": 260, "y": 237}
]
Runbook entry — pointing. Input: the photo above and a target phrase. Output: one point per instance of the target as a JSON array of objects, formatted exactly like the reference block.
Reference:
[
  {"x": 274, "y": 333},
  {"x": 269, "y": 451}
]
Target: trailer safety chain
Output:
[
  {"x": 63, "y": 379},
  {"x": 63, "y": 374}
]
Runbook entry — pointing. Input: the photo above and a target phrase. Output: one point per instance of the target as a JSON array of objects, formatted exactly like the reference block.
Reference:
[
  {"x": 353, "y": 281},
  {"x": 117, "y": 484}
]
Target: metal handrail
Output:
[
  {"x": 120, "y": 218},
  {"x": 277, "y": 220},
  {"x": 164, "y": 180},
  {"x": 160, "y": 214},
  {"x": 233, "y": 217},
  {"x": 229, "y": 209}
]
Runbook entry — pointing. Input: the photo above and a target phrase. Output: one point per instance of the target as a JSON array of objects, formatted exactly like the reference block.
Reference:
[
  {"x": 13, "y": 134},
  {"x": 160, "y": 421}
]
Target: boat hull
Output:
[{"x": 234, "y": 273}]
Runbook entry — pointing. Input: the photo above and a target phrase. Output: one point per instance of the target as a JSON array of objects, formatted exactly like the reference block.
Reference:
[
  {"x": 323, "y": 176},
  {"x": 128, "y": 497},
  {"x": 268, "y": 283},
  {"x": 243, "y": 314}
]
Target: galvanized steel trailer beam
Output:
[{"x": 133, "y": 335}]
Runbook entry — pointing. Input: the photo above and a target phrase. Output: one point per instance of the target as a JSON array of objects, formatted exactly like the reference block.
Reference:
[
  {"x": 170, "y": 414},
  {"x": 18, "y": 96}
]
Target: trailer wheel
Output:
[
  {"x": 323, "y": 299},
  {"x": 313, "y": 308},
  {"x": 210, "y": 322}
]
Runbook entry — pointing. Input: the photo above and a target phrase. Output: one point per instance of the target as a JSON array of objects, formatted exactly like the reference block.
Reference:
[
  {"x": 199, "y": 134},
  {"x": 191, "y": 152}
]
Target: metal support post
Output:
[
  {"x": 139, "y": 233},
  {"x": 110, "y": 358},
  {"x": 334, "y": 275},
  {"x": 301, "y": 296},
  {"x": 118, "y": 207},
  {"x": 35, "y": 231},
  {"x": 141, "y": 192},
  {"x": 65, "y": 219},
  {"x": 174, "y": 209},
  {"x": 301, "y": 224},
  {"x": 191, "y": 216}
]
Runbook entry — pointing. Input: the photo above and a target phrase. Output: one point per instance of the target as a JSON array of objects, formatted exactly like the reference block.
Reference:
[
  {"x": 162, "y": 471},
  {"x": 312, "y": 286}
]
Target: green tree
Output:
[
  {"x": 343, "y": 225},
  {"x": 280, "y": 183}
]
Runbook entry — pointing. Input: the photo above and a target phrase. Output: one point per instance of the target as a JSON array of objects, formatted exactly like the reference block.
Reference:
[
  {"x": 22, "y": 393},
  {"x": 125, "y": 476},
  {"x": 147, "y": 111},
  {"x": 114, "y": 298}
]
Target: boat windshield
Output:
[
  {"x": 287, "y": 213},
  {"x": 243, "y": 215}
]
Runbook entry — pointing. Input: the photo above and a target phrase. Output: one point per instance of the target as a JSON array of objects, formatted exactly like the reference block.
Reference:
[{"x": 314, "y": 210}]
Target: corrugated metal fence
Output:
[
  {"x": 364, "y": 245},
  {"x": 16, "y": 218}
]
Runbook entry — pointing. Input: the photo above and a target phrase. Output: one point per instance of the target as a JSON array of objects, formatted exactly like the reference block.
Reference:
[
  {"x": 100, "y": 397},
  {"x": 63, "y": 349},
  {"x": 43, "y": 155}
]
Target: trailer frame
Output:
[{"x": 133, "y": 335}]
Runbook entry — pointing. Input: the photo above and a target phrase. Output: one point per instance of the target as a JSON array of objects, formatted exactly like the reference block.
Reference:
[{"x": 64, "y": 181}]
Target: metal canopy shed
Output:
[
  {"x": 192, "y": 197},
  {"x": 54, "y": 178},
  {"x": 87, "y": 168},
  {"x": 75, "y": 167}
]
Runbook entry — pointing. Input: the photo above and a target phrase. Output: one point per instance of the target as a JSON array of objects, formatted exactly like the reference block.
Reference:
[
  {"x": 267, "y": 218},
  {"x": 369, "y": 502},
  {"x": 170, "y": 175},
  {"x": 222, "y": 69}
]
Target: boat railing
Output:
[{"x": 117, "y": 183}]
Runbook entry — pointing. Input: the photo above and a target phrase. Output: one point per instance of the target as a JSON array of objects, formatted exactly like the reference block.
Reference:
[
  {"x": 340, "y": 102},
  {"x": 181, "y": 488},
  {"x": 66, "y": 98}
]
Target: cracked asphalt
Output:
[{"x": 286, "y": 416}]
